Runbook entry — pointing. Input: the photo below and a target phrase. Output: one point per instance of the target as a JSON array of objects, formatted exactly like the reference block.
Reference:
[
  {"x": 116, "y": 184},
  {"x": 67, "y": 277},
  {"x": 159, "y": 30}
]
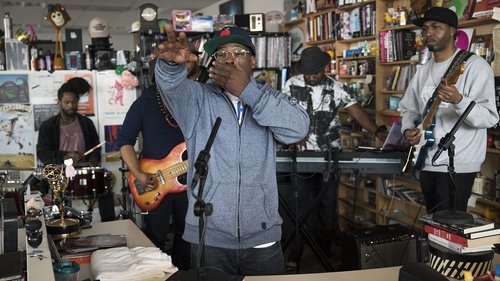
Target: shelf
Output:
[
  {"x": 493, "y": 150},
  {"x": 294, "y": 22},
  {"x": 319, "y": 42},
  {"x": 475, "y": 22},
  {"x": 353, "y": 77},
  {"x": 399, "y": 62},
  {"x": 352, "y": 6},
  {"x": 402, "y": 217},
  {"x": 357, "y": 39},
  {"x": 359, "y": 204},
  {"x": 362, "y": 188},
  {"x": 322, "y": 12},
  {"x": 356, "y": 58},
  {"x": 387, "y": 92},
  {"x": 388, "y": 112},
  {"x": 484, "y": 201},
  {"x": 399, "y": 27}
]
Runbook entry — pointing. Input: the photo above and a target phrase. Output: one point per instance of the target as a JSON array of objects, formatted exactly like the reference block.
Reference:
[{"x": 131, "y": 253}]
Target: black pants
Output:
[
  {"x": 317, "y": 201},
  {"x": 157, "y": 226},
  {"x": 435, "y": 187}
]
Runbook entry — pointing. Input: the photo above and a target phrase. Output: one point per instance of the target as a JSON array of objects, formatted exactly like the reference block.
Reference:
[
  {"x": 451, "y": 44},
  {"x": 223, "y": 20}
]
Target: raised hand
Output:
[
  {"x": 230, "y": 76},
  {"x": 175, "y": 49}
]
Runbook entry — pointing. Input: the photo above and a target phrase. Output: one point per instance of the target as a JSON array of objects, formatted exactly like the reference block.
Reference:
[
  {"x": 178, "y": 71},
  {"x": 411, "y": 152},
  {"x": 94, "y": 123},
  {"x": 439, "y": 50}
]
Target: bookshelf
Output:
[{"x": 399, "y": 210}]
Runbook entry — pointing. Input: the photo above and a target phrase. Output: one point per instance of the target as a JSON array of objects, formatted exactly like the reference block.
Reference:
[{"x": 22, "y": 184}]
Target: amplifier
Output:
[
  {"x": 8, "y": 225},
  {"x": 378, "y": 246}
]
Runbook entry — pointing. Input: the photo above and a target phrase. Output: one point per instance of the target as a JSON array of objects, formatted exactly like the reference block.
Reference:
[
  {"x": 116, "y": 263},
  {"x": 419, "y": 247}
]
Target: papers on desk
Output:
[{"x": 122, "y": 264}]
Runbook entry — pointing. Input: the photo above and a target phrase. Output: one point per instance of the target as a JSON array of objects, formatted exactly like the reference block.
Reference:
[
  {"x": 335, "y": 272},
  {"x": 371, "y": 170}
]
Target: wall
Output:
[{"x": 249, "y": 6}]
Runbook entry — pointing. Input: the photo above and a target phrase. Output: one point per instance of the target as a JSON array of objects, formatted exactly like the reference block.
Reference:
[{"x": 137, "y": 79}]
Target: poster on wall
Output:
[
  {"x": 42, "y": 112},
  {"x": 44, "y": 86},
  {"x": 114, "y": 98},
  {"x": 17, "y": 148},
  {"x": 86, "y": 102},
  {"x": 14, "y": 88},
  {"x": 111, "y": 136}
]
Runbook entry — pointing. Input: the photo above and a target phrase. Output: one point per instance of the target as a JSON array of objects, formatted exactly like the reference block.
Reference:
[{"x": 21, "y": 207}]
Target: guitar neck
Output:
[{"x": 427, "y": 122}]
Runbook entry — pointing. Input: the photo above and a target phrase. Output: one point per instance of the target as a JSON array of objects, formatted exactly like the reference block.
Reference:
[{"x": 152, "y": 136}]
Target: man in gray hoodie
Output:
[{"x": 243, "y": 232}]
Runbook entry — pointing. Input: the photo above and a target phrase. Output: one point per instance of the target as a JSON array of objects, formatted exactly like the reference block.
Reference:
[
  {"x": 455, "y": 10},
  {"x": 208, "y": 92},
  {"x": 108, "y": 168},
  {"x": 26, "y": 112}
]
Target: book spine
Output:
[
  {"x": 446, "y": 235},
  {"x": 445, "y": 243}
]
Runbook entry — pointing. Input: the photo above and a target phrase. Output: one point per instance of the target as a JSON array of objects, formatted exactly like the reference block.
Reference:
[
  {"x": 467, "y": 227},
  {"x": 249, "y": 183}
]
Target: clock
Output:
[{"x": 149, "y": 17}]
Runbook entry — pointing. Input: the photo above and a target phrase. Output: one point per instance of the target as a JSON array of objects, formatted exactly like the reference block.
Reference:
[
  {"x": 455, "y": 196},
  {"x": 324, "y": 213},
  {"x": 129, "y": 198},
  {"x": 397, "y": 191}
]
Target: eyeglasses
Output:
[{"x": 222, "y": 55}]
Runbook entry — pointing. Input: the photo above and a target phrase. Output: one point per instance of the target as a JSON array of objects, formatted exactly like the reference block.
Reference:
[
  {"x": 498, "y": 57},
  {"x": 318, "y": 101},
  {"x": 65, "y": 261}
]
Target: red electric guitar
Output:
[{"x": 167, "y": 170}]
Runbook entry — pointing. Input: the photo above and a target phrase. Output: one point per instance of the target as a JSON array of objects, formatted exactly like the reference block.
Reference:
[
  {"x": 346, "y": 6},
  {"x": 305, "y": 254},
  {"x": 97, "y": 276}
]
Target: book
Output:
[
  {"x": 457, "y": 247},
  {"x": 464, "y": 241},
  {"x": 479, "y": 224}
]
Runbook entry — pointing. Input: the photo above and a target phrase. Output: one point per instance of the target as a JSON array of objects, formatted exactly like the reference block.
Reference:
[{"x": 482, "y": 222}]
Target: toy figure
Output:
[{"x": 58, "y": 16}]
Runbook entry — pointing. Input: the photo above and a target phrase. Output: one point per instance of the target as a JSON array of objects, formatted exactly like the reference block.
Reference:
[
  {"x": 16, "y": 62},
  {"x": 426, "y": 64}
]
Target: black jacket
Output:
[{"x": 47, "y": 148}]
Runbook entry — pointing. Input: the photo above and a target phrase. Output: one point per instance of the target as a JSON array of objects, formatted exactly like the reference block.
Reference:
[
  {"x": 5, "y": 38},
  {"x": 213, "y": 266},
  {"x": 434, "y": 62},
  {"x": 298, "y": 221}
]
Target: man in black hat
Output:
[
  {"x": 243, "y": 233},
  {"x": 439, "y": 29},
  {"x": 322, "y": 97}
]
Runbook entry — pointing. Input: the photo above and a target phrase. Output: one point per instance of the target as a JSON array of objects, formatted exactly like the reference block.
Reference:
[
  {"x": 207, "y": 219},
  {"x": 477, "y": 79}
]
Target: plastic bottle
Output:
[
  {"x": 88, "y": 59},
  {"x": 7, "y": 26},
  {"x": 2, "y": 60},
  {"x": 48, "y": 60},
  {"x": 41, "y": 60},
  {"x": 34, "y": 59}
]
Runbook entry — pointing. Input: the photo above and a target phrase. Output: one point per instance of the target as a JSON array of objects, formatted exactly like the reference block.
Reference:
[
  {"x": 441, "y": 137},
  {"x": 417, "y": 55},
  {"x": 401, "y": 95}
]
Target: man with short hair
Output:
[{"x": 439, "y": 29}]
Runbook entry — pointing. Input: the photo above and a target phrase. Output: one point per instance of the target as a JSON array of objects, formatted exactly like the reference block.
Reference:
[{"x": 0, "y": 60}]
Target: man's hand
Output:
[
  {"x": 147, "y": 180},
  {"x": 229, "y": 76},
  {"x": 76, "y": 156},
  {"x": 412, "y": 135},
  {"x": 175, "y": 49},
  {"x": 448, "y": 93}
]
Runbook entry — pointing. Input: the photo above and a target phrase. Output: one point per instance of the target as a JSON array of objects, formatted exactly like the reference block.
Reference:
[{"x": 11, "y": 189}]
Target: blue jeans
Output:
[{"x": 247, "y": 262}]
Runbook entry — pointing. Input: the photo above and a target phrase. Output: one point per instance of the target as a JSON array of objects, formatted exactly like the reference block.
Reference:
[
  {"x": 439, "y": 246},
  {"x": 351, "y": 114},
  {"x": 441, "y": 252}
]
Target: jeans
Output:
[
  {"x": 435, "y": 187},
  {"x": 247, "y": 262}
]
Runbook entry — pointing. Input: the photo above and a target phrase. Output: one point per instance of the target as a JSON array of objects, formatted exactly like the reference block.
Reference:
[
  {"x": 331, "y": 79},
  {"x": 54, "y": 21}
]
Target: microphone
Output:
[{"x": 448, "y": 139}]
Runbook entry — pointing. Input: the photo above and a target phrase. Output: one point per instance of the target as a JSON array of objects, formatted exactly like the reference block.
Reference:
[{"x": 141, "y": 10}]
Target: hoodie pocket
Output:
[
  {"x": 223, "y": 197},
  {"x": 256, "y": 210}
]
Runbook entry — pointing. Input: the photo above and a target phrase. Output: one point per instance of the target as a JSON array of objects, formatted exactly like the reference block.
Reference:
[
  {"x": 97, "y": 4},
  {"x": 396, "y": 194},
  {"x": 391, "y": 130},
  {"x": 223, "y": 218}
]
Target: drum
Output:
[{"x": 89, "y": 182}]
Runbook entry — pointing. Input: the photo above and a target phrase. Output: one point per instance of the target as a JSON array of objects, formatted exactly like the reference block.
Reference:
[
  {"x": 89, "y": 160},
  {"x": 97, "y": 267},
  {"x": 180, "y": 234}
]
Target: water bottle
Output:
[{"x": 7, "y": 26}]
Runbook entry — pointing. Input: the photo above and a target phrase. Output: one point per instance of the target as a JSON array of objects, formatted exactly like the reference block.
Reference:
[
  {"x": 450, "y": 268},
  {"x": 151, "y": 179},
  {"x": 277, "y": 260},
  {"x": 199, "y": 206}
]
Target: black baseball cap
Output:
[
  {"x": 439, "y": 14},
  {"x": 230, "y": 34}
]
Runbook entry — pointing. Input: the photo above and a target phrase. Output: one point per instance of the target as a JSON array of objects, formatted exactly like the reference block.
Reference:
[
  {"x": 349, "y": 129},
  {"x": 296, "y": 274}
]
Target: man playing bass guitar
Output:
[
  {"x": 476, "y": 83},
  {"x": 153, "y": 180}
]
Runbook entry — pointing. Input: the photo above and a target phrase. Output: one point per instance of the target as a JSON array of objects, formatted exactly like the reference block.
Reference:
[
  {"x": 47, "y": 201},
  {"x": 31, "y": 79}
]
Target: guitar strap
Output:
[{"x": 461, "y": 57}]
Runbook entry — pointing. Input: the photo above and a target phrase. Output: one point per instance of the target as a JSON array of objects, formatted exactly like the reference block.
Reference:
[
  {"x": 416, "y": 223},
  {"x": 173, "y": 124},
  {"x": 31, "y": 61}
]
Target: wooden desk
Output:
[{"x": 378, "y": 274}]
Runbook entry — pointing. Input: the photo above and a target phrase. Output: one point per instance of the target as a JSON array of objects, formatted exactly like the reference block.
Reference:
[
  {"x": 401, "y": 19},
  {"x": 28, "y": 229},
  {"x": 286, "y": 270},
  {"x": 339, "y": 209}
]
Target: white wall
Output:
[{"x": 249, "y": 6}]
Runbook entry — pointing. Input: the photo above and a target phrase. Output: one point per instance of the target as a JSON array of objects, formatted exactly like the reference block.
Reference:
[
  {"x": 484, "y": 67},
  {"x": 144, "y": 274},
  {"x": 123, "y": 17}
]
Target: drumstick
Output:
[{"x": 94, "y": 148}]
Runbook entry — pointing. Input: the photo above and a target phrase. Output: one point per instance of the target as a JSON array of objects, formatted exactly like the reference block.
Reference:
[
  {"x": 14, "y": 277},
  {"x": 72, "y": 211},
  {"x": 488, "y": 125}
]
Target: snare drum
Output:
[{"x": 88, "y": 182}]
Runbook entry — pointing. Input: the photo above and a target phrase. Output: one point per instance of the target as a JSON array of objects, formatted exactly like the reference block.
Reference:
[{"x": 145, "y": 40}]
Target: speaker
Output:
[
  {"x": 8, "y": 225},
  {"x": 378, "y": 246}
]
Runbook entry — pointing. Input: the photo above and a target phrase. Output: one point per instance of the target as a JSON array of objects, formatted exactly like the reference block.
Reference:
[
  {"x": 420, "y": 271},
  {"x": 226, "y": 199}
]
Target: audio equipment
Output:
[
  {"x": 8, "y": 225},
  {"x": 252, "y": 22},
  {"x": 378, "y": 246}
]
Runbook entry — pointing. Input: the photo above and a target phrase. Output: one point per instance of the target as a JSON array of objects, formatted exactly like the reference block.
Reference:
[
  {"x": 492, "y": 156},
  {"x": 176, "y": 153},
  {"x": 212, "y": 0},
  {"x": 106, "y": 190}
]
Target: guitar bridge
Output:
[{"x": 160, "y": 176}]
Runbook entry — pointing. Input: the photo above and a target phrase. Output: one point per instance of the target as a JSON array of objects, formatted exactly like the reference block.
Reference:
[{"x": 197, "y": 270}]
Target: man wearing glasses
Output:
[
  {"x": 243, "y": 233},
  {"x": 322, "y": 97}
]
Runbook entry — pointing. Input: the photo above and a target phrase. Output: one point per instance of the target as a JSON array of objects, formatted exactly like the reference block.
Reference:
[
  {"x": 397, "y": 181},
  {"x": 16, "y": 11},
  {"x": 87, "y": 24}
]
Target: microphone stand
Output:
[
  {"x": 452, "y": 216},
  {"x": 203, "y": 210}
]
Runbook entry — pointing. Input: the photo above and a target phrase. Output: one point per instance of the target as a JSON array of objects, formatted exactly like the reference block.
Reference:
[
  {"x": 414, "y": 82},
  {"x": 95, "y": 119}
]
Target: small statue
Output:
[{"x": 59, "y": 17}]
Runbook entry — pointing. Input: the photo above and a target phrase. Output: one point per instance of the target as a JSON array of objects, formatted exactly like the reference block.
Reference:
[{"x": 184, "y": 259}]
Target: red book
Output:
[{"x": 455, "y": 238}]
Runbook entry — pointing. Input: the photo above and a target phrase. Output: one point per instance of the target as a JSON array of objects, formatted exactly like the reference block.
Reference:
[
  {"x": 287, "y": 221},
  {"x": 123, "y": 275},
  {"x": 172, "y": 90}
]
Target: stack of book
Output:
[{"x": 479, "y": 236}]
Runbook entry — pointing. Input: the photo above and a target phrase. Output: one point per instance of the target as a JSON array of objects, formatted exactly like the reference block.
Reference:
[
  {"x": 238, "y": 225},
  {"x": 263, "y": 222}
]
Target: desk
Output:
[{"x": 135, "y": 238}]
